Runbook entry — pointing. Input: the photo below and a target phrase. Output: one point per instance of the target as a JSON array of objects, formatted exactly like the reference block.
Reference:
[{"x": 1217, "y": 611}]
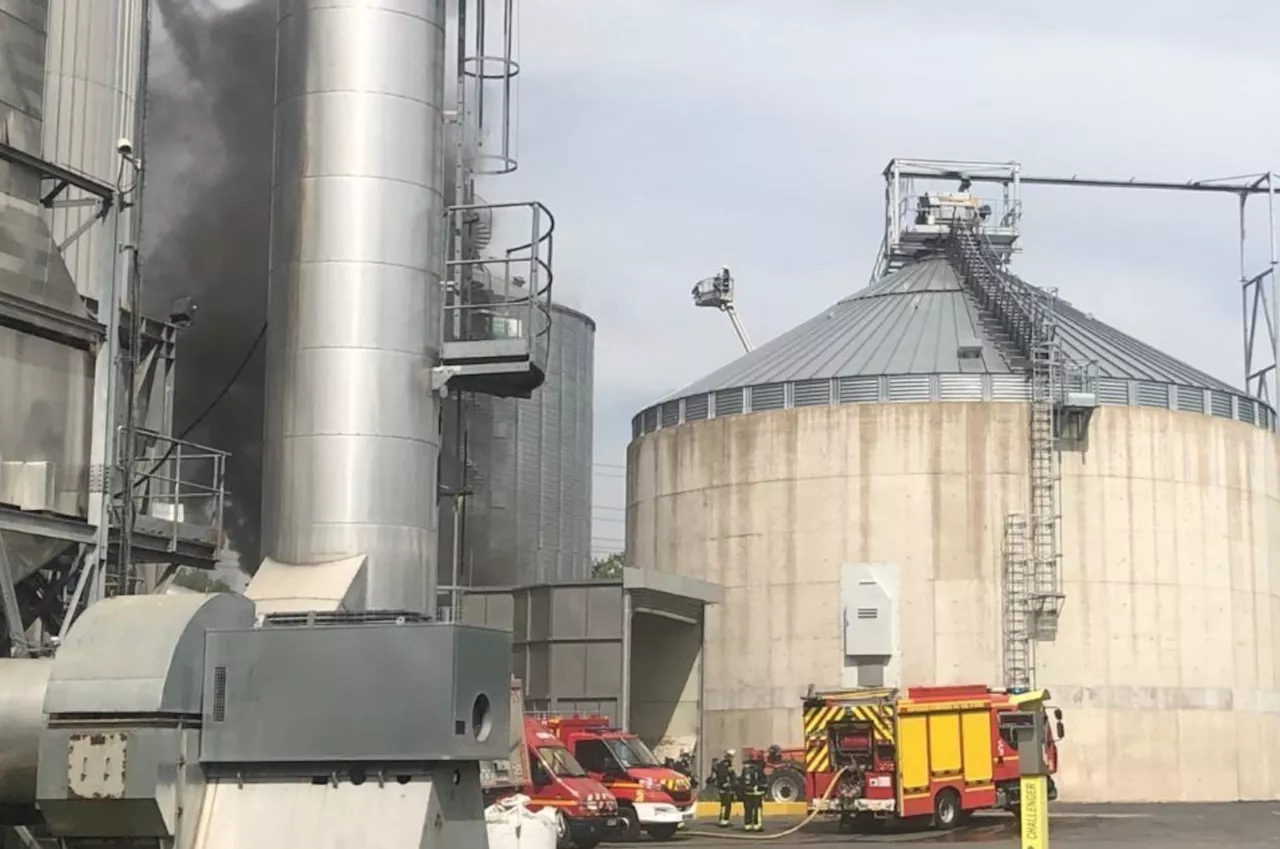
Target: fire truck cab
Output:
[
  {"x": 540, "y": 767},
  {"x": 651, "y": 797},
  {"x": 939, "y": 752}
]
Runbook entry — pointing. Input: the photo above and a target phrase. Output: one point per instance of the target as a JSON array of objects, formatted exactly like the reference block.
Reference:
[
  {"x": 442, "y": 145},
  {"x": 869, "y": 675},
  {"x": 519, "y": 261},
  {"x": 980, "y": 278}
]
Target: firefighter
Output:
[
  {"x": 754, "y": 785},
  {"x": 725, "y": 782}
]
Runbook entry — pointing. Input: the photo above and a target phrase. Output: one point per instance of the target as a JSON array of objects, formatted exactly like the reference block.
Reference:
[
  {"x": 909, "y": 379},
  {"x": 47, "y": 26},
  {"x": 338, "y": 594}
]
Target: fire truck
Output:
[
  {"x": 652, "y": 798},
  {"x": 938, "y": 752},
  {"x": 540, "y": 767}
]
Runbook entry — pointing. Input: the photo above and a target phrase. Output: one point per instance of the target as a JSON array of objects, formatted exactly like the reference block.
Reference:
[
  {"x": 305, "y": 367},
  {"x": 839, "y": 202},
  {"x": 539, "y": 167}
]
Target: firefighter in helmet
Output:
[
  {"x": 754, "y": 785},
  {"x": 725, "y": 782}
]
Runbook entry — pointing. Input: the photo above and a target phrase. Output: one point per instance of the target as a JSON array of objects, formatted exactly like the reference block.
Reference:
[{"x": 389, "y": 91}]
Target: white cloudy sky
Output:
[{"x": 672, "y": 136}]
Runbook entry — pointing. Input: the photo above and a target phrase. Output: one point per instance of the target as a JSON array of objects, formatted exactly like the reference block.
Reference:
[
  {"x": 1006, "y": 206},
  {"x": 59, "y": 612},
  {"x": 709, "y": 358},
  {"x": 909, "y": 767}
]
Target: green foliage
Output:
[{"x": 608, "y": 568}]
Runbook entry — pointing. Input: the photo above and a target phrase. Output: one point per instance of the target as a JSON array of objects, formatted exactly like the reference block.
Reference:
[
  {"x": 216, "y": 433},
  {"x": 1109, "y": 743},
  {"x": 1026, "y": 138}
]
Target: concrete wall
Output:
[
  {"x": 1166, "y": 659},
  {"x": 664, "y": 683}
]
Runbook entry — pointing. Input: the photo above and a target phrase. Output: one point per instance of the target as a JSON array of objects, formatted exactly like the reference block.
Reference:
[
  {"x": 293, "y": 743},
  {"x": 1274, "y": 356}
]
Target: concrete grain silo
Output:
[{"x": 849, "y": 484}]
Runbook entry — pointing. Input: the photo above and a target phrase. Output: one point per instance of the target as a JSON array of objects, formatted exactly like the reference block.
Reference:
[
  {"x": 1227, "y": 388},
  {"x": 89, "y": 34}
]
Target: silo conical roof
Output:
[{"x": 919, "y": 334}]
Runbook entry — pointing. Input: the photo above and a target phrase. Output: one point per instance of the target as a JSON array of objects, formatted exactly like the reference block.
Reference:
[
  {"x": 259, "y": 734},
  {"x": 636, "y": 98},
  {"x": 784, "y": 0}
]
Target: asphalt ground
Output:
[{"x": 1239, "y": 826}]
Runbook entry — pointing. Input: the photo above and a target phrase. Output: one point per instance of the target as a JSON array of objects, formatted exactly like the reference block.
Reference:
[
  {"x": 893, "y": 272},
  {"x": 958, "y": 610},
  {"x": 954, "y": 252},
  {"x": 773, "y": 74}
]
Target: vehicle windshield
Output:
[
  {"x": 560, "y": 762},
  {"x": 631, "y": 752}
]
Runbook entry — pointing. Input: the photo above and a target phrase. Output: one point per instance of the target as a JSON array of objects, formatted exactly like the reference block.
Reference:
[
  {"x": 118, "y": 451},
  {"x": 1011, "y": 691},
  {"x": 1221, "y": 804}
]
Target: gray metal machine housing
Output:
[{"x": 154, "y": 700}]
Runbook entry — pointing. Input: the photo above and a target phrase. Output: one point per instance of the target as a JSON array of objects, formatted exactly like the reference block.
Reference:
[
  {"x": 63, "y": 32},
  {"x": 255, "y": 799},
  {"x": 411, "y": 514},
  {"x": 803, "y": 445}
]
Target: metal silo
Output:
[
  {"x": 357, "y": 256},
  {"x": 46, "y": 370},
  {"x": 528, "y": 508},
  {"x": 93, "y": 76},
  {"x": 850, "y": 484}
]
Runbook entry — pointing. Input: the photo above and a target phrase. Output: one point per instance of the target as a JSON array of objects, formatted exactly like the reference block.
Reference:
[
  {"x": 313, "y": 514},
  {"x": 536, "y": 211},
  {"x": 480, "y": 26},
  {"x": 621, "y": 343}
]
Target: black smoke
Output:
[{"x": 206, "y": 219}]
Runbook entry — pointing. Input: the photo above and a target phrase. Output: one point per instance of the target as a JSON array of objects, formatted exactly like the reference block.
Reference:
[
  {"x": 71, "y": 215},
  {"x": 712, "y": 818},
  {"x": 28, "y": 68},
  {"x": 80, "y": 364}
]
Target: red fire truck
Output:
[
  {"x": 651, "y": 797},
  {"x": 939, "y": 752},
  {"x": 540, "y": 767}
]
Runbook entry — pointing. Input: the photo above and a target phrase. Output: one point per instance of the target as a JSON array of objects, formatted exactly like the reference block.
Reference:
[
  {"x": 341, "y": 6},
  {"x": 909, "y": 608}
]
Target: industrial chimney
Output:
[{"x": 357, "y": 257}]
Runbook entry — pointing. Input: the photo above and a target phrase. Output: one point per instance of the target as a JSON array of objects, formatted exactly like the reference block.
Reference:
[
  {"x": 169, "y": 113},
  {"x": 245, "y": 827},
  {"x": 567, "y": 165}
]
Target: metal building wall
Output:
[
  {"x": 44, "y": 425},
  {"x": 528, "y": 511},
  {"x": 567, "y": 642},
  {"x": 92, "y": 76}
]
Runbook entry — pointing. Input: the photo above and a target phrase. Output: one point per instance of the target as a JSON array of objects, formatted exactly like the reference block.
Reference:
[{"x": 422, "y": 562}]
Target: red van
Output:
[{"x": 586, "y": 812}]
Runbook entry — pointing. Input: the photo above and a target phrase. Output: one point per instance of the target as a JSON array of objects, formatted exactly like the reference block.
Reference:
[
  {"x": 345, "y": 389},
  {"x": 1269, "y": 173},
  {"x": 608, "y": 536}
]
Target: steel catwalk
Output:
[{"x": 352, "y": 430}]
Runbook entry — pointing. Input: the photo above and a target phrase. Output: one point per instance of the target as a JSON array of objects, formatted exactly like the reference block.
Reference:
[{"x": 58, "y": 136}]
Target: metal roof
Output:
[
  {"x": 914, "y": 321},
  {"x": 901, "y": 340}
]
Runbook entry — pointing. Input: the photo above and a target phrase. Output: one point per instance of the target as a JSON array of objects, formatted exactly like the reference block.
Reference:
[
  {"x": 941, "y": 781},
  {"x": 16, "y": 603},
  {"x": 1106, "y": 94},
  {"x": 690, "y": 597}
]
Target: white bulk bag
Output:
[{"x": 511, "y": 825}]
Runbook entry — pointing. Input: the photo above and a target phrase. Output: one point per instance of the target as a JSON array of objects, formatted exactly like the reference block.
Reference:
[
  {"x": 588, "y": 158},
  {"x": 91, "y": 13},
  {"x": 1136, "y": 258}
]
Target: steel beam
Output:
[
  {"x": 63, "y": 176},
  {"x": 49, "y": 322},
  {"x": 1260, "y": 306},
  {"x": 46, "y": 525}
]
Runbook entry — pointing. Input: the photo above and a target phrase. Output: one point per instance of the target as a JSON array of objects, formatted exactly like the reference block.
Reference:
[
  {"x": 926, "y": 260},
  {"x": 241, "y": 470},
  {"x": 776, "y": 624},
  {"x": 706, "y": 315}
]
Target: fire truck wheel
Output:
[
  {"x": 563, "y": 840},
  {"x": 946, "y": 809},
  {"x": 628, "y": 825},
  {"x": 663, "y": 831},
  {"x": 786, "y": 785}
]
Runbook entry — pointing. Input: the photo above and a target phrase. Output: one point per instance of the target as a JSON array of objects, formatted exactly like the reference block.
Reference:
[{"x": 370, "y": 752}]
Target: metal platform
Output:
[
  {"x": 925, "y": 198},
  {"x": 497, "y": 312},
  {"x": 154, "y": 540}
]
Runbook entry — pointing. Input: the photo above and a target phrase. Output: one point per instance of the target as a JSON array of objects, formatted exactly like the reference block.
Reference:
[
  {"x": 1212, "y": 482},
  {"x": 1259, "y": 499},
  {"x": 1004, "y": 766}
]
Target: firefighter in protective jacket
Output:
[
  {"x": 754, "y": 785},
  {"x": 725, "y": 782}
]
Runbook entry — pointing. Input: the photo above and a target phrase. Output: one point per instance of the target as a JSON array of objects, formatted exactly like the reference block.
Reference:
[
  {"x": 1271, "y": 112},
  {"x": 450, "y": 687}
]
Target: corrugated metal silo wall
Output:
[
  {"x": 93, "y": 67},
  {"x": 528, "y": 514}
]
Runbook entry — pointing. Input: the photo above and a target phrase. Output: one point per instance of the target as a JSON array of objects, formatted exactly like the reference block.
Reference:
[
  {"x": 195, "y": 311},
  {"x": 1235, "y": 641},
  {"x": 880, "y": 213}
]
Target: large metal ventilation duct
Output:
[{"x": 352, "y": 437}]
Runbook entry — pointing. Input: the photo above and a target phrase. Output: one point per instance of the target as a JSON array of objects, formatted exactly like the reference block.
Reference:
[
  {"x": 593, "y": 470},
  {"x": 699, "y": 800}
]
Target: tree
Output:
[{"x": 608, "y": 568}]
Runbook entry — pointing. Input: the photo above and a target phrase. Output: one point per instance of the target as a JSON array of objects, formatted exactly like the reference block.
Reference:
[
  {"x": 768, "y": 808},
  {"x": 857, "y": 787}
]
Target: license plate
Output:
[{"x": 611, "y": 822}]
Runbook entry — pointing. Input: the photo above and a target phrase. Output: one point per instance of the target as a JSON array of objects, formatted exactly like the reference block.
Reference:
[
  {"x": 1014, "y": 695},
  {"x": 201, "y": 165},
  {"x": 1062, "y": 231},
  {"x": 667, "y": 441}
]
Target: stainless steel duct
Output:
[
  {"x": 23, "y": 682},
  {"x": 357, "y": 255}
]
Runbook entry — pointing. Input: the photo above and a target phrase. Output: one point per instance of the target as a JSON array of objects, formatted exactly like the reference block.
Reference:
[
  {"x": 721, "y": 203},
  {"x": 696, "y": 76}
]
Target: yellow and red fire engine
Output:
[{"x": 939, "y": 752}]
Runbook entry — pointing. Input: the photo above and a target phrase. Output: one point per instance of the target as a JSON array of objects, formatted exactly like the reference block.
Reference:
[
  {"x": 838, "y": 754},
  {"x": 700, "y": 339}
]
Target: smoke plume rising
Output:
[{"x": 207, "y": 212}]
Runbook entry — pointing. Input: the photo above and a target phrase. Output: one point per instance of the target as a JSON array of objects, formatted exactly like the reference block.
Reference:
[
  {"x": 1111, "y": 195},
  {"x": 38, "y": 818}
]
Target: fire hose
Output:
[{"x": 817, "y": 809}]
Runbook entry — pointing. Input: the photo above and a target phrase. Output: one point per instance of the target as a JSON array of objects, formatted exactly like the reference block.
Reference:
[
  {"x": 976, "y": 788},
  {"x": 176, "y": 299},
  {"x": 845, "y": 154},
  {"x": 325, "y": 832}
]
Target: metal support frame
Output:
[
  {"x": 1260, "y": 308},
  {"x": 153, "y": 352},
  {"x": 12, "y": 614},
  {"x": 905, "y": 236}
]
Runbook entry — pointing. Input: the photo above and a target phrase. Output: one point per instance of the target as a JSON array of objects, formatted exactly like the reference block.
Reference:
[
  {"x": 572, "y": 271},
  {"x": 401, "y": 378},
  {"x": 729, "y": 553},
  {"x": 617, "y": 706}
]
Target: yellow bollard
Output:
[{"x": 1033, "y": 791}]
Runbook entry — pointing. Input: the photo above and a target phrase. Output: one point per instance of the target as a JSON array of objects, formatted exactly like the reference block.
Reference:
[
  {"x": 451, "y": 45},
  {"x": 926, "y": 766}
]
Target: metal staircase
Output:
[{"x": 1027, "y": 317}]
